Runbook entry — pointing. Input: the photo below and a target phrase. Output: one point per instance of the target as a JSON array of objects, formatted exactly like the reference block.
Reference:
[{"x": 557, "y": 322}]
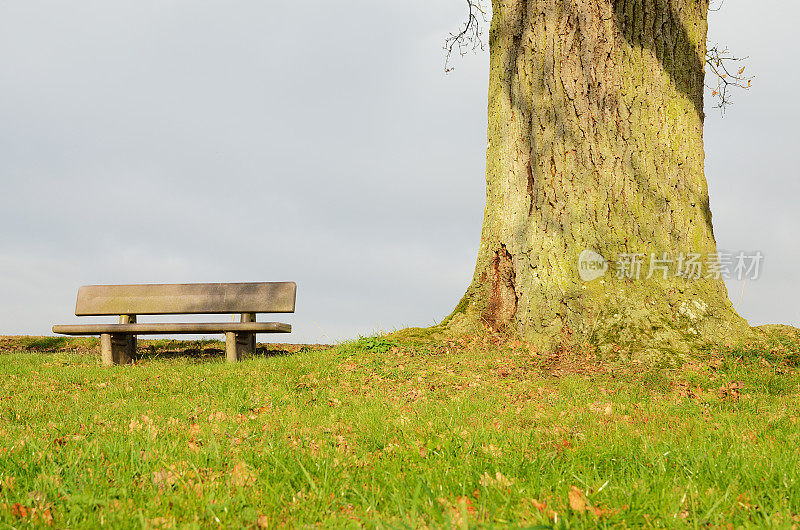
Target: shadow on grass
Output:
[
  {"x": 214, "y": 351},
  {"x": 24, "y": 343},
  {"x": 203, "y": 350}
]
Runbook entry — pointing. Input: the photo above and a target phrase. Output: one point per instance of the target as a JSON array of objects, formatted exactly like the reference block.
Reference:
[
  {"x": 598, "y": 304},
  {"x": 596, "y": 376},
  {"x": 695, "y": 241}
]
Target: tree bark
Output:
[{"x": 595, "y": 141}]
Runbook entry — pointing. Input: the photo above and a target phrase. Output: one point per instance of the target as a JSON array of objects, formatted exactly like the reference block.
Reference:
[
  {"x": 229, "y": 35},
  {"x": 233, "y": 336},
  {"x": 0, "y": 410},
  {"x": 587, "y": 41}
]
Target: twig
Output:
[
  {"x": 728, "y": 71},
  {"x": 470, "y": 37}
]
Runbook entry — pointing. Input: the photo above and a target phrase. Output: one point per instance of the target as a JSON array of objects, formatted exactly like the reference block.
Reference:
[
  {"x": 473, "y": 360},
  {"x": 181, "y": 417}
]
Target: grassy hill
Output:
[{"x": 478, "y": 432}]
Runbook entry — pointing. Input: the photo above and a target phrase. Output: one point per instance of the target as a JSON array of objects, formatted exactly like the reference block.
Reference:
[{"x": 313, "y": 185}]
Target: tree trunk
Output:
[{"x": 596, "y": 143}]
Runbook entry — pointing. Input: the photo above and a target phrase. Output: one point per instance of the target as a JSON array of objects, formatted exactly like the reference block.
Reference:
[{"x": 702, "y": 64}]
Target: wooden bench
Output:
[{"x": 118, "y": 341}]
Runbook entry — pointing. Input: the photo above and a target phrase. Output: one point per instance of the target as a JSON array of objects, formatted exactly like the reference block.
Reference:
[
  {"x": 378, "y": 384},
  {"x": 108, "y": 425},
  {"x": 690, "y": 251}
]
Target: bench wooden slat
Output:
[
  {"x": 156, "y": 328},
  {"x": 190, "y": 298}
]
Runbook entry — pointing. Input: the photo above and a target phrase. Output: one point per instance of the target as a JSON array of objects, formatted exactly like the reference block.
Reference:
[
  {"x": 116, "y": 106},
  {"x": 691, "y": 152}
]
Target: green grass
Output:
[{"x": 381, "y": 433}]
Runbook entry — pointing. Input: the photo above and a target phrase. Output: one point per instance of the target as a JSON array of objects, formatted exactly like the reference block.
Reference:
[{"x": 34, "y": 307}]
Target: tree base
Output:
[{"x": 654, "y": 323}]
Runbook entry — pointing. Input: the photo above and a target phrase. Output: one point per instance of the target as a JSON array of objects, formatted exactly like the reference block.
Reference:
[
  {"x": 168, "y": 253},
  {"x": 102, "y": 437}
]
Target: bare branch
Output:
[
  {"x": 711, "y": 6},
  {"x": 727, "y": 71},
  {"x": 470, "y": 37}
]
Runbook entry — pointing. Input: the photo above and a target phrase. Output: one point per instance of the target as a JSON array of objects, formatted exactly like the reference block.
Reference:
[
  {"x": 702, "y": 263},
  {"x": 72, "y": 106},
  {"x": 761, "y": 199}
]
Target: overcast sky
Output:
[{"x": 159, "y": 141}]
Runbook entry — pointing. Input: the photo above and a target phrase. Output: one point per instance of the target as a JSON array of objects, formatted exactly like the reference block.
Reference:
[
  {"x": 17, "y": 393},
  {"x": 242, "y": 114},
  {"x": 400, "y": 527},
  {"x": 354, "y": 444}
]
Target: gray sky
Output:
[{"x": 191, "y": 141}]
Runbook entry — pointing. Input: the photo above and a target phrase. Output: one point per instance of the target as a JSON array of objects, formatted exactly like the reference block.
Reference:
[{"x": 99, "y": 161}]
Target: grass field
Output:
[{"x": 378, "y": 433}]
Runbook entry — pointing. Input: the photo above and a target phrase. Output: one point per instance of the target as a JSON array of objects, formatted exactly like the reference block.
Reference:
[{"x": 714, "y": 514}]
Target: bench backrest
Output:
[{"x": 188, "y": 298}]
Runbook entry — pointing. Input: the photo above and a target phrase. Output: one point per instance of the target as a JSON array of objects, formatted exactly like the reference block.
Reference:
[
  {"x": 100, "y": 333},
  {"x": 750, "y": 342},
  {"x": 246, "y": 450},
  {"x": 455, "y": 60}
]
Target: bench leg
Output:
[
  {"x": 249, "y": 317},
  {"x": 251, "y": 342},
  {"x": 116, "y": 349},
  {"x": 238, "y": 344},
  {"x": 132, "y": 342}
]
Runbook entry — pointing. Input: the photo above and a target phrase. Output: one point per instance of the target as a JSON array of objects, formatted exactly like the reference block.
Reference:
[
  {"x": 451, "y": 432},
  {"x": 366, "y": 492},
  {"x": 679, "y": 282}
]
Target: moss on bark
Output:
[{"x": 595, "y": 130}]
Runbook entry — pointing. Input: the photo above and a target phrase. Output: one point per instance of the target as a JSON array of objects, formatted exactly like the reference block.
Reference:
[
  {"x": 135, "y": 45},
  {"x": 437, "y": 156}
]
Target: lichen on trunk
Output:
[{"x": 595, "y": 141}]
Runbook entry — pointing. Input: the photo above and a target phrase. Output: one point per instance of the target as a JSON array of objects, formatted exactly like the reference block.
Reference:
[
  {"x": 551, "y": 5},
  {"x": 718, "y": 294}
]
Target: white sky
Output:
[{"x": 190, "y": 141}]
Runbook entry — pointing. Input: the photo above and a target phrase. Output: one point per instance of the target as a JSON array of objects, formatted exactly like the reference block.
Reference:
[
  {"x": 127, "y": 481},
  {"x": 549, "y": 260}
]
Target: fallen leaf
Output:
[
  {"x": 541, "y": 506},
  {"x": 19, "y": 511},
  {"x": 730, "y": 392},
  {"x": 459, "y": 509},
  {"x": 466, "y": 503},
  {"x": 160, "y": 522},
  {"x": 164, "y": 478},
  {"x": 47, "y": 516},
  {"x": 242, "y": 476},
  {"x": 602, "y": 512},
  {"x": 499, "y": 480},
  {"x": 577, "y": 501},
  {"x": 7, "y": 484}
]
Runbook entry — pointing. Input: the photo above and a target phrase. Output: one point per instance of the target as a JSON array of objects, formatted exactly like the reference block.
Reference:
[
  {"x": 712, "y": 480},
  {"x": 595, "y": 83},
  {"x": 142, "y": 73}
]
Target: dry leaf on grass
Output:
[
  {"x": 541, "y": 506},
  {"x": 47, "y": 516},
  {"x": 685, "y": 389},
  {"x": 577, "y": 501},
  {"x": 499, "y": 480},
  {"x": 731, "y": 391},
  {"x": 602, "y": 512},
  {"x": 242, "y": 476},
  {"x": 460, "y": 511},
  {"x": 20, "y": 511},
  {"x": 160, "y": 522},
  {"x": 7, "y": 483},
  {"x": 165, "y": 478},
  {"x": 42, "y": 514}
]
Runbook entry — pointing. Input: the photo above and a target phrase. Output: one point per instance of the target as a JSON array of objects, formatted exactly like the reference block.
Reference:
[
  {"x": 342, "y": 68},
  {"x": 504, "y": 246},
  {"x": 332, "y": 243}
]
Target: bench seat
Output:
[
  {"x": 118, "y": 341},
  {"x": 159, "y": 329}
]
